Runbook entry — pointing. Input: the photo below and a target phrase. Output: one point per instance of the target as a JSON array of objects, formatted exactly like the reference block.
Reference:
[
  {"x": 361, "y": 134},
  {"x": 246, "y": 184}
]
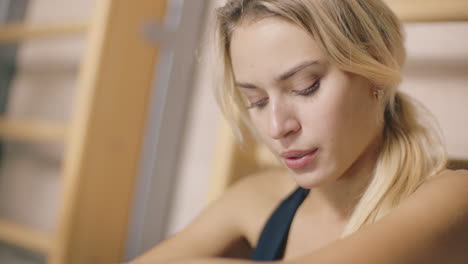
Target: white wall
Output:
[
  {"x": 198, "y": 151},
  {"x": 437, "y": 75}
]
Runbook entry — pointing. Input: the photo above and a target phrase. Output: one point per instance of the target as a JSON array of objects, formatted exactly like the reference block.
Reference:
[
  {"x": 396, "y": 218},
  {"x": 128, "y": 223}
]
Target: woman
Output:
[{"x": 316, "y": 81}]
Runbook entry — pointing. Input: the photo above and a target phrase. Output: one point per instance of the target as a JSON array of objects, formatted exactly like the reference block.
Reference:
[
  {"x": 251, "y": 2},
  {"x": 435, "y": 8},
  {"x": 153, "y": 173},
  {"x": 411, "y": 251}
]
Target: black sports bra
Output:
[{"x": 274, "y": 236}]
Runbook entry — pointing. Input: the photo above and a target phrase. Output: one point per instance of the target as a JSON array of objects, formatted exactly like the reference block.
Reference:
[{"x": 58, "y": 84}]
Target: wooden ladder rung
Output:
[
  {"x": 458, "y": 163},
  {"x": 32, "y": 131},
  {"x": 430, "y": 10},
  {"x": 25, "y": 237},
  {"x": 18, "y": 32}
]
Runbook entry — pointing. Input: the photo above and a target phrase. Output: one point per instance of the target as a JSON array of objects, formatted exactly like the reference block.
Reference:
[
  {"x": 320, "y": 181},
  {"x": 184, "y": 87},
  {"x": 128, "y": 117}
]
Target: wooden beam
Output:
[
  {"x": 412, "y": 11},
  {"x": 25, "y": 237},
  {"x": 32, "y": 131},
  {"x": 232, "y": 160},
  {"x": 457, "y": 163},
  {"x": 18, "y": 32},
  {"x": 102, "y": 158}
]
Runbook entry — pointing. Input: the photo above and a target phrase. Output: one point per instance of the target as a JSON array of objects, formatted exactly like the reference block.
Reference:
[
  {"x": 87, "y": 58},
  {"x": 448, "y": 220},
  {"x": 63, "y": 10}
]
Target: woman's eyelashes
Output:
[
  {"x": 308, "y": 91},
  {"x": 258, "y": 104}
]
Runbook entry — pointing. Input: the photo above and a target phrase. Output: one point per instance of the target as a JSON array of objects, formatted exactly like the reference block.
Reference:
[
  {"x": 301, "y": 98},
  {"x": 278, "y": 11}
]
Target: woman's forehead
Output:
[{"x": 271, "y": 47}]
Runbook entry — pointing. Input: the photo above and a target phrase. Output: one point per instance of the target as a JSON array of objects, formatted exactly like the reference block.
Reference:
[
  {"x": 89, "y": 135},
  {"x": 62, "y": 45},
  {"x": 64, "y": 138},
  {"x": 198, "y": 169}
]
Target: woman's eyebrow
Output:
[
  {"x": 296, "y": 69},
  {"x": 246, "y": 85},
  {"x": 288, "y": 74}
]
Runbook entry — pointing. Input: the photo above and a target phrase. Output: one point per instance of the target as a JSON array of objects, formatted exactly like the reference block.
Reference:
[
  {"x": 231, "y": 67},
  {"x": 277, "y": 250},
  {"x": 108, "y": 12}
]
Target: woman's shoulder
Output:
[
  {"x": 256, "y": 196},
  {"x": 451, "y": 186},
  {"x": 273, "y": 183},
  {"x": 436, "y": 213},
  {"x": 447, "y": 177},
  {"x": 259, "y": 192}
]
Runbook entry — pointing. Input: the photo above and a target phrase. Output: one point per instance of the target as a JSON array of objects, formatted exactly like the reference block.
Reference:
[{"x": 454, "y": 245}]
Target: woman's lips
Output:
[{"x": 299, "y": 159}]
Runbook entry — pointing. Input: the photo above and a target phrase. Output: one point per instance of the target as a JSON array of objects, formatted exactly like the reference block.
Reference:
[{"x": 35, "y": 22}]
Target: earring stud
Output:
[{"x": 378, "y": 93}]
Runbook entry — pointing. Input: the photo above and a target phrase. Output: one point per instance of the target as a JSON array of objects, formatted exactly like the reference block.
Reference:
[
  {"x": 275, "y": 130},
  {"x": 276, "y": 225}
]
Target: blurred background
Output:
[{"x": 110, "y": 138}]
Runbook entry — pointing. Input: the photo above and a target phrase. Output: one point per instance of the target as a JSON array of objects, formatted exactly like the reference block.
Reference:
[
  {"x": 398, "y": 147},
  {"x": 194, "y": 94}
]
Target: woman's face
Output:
[{"x": 317, "y": 119}]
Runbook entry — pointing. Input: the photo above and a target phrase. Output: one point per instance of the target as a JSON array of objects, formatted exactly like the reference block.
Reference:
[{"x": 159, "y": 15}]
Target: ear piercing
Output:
[{"x": 378, "y": 93}]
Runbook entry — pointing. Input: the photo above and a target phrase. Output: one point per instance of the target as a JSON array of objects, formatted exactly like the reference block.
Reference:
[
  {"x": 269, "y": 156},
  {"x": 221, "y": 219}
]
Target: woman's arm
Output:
[
  {"x": 215, "y": 261},
  {"x": 220, "y": 230},
  {"x": 215, "y": 232}
]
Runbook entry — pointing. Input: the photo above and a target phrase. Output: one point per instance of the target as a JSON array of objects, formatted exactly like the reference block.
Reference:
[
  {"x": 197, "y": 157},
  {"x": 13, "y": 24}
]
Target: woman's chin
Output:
[{"x": 309, "y": 180}]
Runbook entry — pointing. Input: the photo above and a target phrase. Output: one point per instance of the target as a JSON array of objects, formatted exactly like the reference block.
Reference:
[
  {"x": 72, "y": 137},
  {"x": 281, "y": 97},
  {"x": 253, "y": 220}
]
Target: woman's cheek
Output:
[{"x": 260, "y": 125}]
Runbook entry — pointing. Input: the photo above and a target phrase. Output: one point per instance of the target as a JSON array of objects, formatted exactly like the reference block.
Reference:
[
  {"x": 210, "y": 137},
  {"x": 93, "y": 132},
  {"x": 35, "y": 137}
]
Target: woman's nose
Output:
[{"x": 283, "y": 122}]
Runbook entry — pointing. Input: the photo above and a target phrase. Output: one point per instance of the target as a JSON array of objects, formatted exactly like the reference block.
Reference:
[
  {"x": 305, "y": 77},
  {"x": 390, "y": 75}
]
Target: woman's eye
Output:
[
  {"x": 309, "y": 90},
  {"x": 258, "y": 104}
]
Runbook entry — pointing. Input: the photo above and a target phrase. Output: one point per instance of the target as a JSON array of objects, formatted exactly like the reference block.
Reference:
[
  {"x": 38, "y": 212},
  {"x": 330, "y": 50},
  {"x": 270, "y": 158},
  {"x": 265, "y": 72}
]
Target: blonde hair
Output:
[{"x": 363, "y": 37}]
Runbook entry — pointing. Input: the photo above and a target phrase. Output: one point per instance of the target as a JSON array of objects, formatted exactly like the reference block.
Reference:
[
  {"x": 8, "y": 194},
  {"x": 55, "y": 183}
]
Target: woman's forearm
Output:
[
  {"x": 207, "y": 261},
  {"x": 211, "y": 261}
]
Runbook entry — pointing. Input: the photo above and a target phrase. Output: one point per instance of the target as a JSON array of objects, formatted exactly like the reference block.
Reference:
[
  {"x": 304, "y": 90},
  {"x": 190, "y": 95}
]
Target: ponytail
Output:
[{"x": 412, "y": 151}]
